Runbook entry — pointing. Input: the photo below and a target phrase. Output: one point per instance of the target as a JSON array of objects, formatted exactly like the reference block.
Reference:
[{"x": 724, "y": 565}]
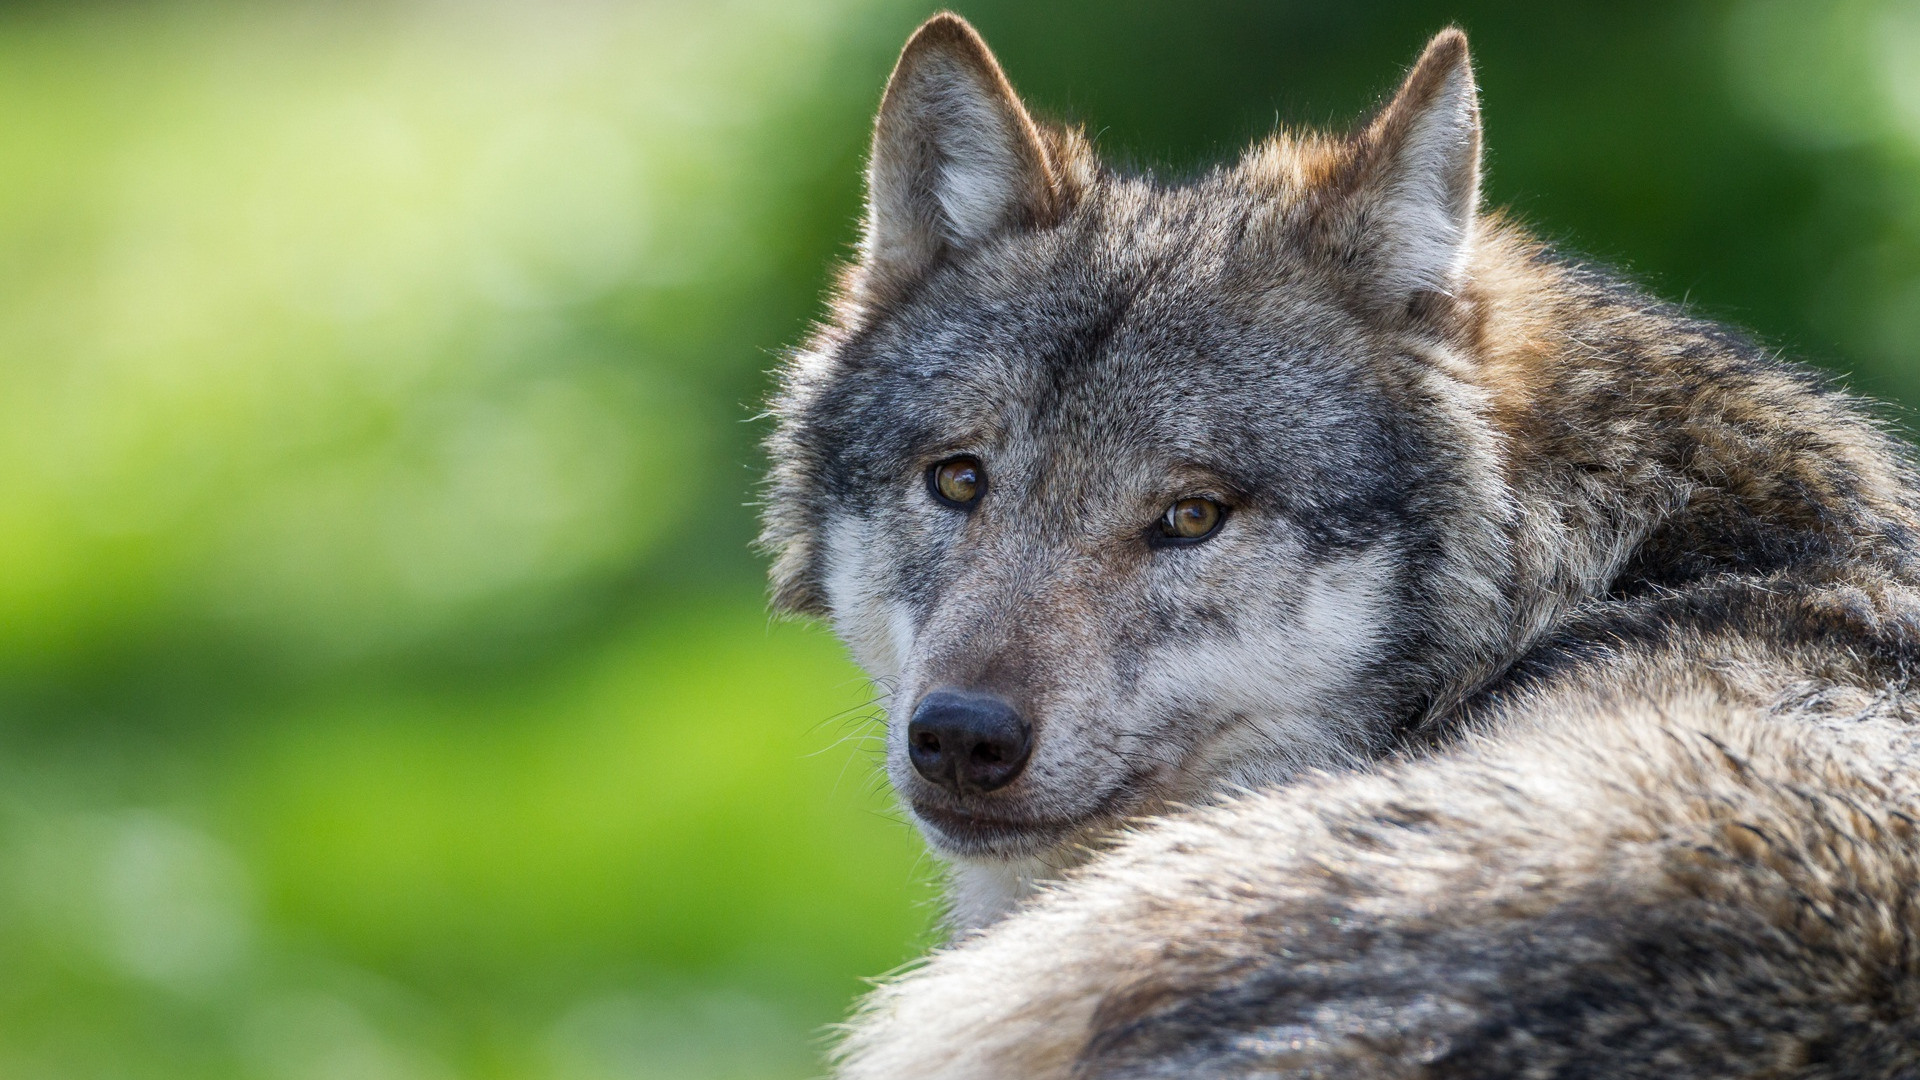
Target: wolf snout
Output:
[{"x": 968, "y": 741}]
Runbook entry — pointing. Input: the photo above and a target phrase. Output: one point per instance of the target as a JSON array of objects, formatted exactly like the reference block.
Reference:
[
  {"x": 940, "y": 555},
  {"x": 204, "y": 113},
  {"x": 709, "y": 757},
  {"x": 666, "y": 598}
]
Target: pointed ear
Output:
[
  {"x": 955, "y": 160},
  {"x": 1420, "y": 175}
]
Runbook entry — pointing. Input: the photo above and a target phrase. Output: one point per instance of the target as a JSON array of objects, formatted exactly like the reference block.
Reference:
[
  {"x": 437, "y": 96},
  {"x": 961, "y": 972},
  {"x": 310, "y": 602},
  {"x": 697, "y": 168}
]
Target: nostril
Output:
[{"x": 967, "y": 741}]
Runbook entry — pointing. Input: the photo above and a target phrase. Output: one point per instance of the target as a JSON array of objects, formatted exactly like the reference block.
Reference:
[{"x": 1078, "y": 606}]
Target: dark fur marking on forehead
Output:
[
  {"x": 1066, "y": 357},
  {"x": 1081, "y": 345}
]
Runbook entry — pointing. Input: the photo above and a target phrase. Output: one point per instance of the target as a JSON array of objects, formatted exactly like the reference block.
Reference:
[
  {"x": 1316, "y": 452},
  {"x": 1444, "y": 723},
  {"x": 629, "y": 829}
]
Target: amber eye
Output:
[
  {"x": 958, "y": 481},
  {"x": 1190, "y": 520}
]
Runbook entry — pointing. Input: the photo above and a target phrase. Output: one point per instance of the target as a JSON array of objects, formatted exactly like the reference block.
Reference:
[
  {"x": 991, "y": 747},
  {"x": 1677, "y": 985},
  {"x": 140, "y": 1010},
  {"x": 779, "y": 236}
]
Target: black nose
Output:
[{"x": 967, "y": 742}]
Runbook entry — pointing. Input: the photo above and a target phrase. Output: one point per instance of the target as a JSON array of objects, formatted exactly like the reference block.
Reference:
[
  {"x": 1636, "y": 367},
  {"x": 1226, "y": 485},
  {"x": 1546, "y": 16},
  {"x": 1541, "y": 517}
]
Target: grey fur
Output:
[
  {"x": 1633, "y": 891},
  {"x": 1633, "y": 601}
]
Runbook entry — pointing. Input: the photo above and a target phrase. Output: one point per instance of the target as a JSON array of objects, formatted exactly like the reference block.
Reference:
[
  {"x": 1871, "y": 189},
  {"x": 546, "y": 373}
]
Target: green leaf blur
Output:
[{"x": 385, "y": 685}]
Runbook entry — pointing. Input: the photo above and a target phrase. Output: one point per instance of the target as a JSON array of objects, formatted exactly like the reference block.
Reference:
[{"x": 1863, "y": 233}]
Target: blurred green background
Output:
[{"x": 385, "y": 687}]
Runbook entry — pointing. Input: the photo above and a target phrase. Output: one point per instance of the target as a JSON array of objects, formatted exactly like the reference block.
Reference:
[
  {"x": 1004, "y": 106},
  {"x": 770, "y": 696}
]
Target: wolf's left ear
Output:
[
  {"x": 956, "y": 158},
  {"x": 1419, "y": 182}
]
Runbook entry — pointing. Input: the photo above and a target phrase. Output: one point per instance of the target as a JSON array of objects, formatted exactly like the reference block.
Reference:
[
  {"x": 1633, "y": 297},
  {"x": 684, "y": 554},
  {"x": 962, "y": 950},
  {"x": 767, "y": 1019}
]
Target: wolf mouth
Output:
[{"x": 962, "y": 833}]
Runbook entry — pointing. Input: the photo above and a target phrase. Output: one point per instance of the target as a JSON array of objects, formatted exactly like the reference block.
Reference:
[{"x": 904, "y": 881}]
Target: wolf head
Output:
[{"x": 1131, "y": 493}]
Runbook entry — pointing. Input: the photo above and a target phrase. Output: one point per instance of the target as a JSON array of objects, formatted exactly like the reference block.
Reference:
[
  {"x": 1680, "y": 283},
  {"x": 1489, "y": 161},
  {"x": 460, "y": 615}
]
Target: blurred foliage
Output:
[{"x": 384, "y": 686}]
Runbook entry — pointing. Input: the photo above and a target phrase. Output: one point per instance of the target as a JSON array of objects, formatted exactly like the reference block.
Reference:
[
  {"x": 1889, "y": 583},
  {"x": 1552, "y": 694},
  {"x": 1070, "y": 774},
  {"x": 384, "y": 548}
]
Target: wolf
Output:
[{"x": 1329, "y": 632}]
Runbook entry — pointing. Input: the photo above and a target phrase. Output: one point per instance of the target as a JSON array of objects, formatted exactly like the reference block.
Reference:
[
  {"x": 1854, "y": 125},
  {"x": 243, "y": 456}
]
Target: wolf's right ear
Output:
[{"x": 955, "y": 159}]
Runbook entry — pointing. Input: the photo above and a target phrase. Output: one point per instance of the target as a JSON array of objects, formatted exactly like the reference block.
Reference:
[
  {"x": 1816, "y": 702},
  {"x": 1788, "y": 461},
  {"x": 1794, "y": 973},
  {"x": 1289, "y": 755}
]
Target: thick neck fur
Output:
[{"x": 1645, "y": 450}]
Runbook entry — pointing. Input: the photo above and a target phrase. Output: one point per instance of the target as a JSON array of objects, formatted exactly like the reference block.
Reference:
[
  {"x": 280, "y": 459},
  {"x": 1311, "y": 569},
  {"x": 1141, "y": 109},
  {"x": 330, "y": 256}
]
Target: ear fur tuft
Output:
[
  {"x": 956, "y": 157},
  {"x": 1420, "y": 161}
]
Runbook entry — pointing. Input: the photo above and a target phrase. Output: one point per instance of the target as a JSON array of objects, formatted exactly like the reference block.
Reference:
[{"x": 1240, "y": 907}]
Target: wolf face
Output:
[{"x": 1136, "y": 494}]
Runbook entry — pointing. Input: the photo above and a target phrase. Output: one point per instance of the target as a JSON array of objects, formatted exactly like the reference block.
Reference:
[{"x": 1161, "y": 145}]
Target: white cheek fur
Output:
[
  {"x": 877, "y": 628},
  {"x": 1284, "y": 679}
]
